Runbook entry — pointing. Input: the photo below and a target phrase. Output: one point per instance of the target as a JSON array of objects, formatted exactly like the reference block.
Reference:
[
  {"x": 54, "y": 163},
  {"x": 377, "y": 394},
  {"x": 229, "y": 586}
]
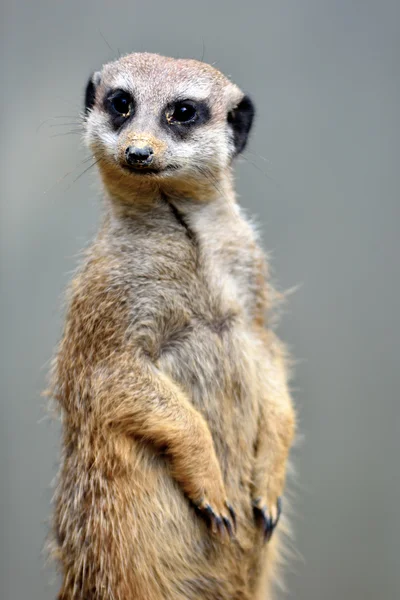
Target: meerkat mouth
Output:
[
  {"x": 138, "y": 170},
  {"x": 142, "y": 170}
]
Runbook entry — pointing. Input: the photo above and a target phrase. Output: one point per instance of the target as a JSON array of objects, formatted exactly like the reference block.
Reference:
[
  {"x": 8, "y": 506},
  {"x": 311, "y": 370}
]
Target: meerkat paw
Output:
[
  {"x": 222, "y": 520},
  {"x": 267, "y": 515},
  {"x": 221, "y": 517}
]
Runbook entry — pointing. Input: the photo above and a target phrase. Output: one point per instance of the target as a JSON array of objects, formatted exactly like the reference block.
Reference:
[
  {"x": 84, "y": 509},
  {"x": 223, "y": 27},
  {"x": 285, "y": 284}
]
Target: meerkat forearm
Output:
[{"x": 135, "y": 398}]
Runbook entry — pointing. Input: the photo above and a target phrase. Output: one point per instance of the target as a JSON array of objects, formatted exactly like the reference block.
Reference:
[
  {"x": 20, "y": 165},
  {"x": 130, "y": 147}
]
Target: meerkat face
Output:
[{"x": 154, "y": 118}]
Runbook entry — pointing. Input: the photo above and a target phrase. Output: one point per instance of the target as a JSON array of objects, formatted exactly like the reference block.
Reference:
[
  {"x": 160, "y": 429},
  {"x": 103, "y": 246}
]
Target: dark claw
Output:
[
  {"x": 266, "y": 523},
  {"x": 209, "y": 511},
  {"x": 278, "y": 511},
  {"x": 268, "y": 530},
  {"x": 228, "y": 527},
  {"x": 220, "y": 524},
  {"x": 233, "y": 515},
  {"x": 261, "y": 513},
  {"x": 215, "y": 520}
]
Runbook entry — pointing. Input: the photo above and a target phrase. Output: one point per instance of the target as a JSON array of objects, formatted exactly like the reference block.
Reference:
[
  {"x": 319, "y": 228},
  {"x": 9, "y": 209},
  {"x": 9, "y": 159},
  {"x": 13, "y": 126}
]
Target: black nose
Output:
[{"x": 139, "y": 156}]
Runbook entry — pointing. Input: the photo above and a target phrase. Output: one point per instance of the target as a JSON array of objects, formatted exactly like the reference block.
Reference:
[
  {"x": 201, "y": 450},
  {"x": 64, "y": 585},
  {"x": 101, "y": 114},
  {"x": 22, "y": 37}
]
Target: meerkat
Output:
[{"x": 176, "y": 413}]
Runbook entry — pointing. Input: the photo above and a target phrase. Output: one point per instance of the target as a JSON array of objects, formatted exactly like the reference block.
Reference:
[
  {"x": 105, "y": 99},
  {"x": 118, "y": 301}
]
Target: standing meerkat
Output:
[{"x": 177, "y": 420}]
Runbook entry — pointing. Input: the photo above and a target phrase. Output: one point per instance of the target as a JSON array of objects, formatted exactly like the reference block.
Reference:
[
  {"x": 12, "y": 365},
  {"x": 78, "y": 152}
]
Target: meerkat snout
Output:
[{"x": 139, "y": 157}]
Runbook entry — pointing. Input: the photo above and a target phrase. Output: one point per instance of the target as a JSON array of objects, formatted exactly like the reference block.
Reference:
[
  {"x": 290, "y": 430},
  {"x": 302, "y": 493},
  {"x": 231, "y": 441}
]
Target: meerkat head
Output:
[{"x": 157, "y": 121}]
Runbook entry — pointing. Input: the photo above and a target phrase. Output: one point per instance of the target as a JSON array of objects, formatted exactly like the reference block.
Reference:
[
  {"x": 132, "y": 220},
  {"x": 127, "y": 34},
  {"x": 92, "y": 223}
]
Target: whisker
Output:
[
  {"x": 269, "y": 177},
  {"x": 255, "y": 166},
  {"x": 85, "y": 171},
  {"x": 258, "y": 155},
  {"x": 85, "y": 160},
  {"x": 53, "y": 118},
  {"x": 73, "y": 132},
  {"x": 103, "y": 36},
  {"x": 66, "y": 124},
  {"x": 204, "y": 50},
  {"x": 61, "y": 179}
]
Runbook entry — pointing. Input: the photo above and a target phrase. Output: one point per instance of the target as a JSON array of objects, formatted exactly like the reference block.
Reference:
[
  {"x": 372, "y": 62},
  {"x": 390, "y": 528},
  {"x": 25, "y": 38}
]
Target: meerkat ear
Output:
[
  {"x": 241, "y": 119},
  {"x": 90, "y": 92}
]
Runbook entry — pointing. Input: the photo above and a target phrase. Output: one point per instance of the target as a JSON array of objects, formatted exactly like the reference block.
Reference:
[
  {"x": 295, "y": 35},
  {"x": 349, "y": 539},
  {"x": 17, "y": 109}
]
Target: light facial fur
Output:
[{"x": 177, "y": 419}]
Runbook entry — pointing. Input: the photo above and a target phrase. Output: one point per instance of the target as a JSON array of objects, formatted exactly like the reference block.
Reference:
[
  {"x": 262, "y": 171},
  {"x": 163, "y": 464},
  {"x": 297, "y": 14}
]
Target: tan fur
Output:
[{"x": 172, "y": 388}]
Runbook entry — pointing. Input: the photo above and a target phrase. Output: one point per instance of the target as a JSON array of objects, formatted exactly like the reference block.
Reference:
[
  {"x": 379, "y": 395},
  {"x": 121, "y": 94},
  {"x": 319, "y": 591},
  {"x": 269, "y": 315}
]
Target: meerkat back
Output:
[{"x": 177, "y": 421}]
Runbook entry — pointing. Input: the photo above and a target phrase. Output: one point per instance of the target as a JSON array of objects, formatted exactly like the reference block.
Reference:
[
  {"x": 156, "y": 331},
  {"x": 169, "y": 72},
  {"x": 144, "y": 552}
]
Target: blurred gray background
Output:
[{"x": 325, "y": 78}]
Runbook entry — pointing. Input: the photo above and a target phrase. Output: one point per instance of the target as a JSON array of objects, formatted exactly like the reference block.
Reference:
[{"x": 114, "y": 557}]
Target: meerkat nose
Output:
[{"x": 139, "y": 156}]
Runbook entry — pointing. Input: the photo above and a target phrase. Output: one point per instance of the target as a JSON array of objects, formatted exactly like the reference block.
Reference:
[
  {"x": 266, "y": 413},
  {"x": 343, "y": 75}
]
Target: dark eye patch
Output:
[
  {"x": 181, "y": 116},
  {"x": 120, "y": 105}
]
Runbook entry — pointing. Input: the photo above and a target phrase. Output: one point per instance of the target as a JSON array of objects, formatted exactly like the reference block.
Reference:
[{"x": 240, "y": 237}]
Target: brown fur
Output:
[{"x": 173, "y": 395}]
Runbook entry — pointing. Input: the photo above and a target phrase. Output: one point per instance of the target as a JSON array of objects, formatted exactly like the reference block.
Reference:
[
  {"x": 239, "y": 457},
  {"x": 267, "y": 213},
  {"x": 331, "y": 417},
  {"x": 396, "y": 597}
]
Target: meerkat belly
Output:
[{"x": 214, "y": 363}]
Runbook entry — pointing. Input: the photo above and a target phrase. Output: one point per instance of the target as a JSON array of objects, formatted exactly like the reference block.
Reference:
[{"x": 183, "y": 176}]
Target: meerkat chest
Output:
[
  {"x": 192, "y": 297},
  {"x": 213, "y": 352}
]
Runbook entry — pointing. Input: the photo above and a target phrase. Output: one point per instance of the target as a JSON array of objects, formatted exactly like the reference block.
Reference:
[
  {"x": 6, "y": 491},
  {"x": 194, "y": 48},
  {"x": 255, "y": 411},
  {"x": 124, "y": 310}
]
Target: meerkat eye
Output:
[
  {"x": 183, "y": 112},
  {"x": 121, "y": 103}
]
